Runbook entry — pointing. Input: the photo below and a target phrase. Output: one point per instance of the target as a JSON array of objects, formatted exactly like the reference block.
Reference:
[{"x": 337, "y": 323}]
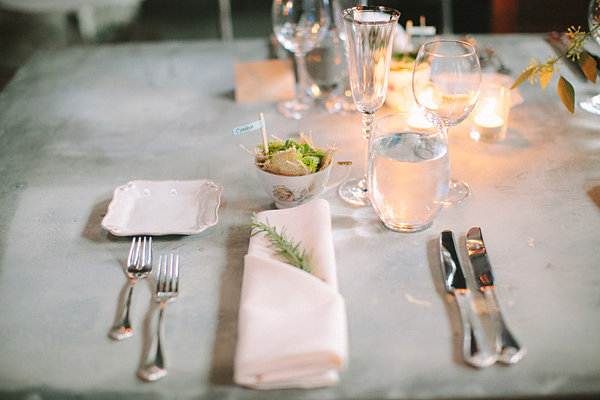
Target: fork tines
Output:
[
  {"x": 141, "y": 246},
  {"x": 167, "y": 280}
]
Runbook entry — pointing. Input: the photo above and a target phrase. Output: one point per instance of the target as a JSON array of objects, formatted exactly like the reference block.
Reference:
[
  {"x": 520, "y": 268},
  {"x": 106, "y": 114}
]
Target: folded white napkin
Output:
[{"x": 292, "y": 329}]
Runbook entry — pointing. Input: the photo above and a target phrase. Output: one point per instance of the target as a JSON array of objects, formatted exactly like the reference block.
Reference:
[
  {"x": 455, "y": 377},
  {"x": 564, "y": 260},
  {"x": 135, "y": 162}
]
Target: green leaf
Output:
[
  {"x": 523, "y": 77},
  {"x": 545, "y": 77},
  {"x": 566, "y": 93},
  {"x": 588, "y": 65}
]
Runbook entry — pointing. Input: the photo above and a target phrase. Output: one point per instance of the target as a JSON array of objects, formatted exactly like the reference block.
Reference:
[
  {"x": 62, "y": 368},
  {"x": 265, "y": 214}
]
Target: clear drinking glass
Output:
[
  {"x": 369, "y": 37},
  {"x": 448, "y": 91},
  {"x": 300, "y": 25},
  {"x": 408, "y": 173},
  {"x": 591, "y": 104}
]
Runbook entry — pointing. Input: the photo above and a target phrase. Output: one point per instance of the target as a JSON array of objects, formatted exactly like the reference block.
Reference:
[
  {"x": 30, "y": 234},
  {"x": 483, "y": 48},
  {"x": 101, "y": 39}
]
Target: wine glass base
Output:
[
  {"x": 297, "y": 109},
  {"x": 590, "y": 104},
  {"x": 354, "y": 191},
  {"x": 458, "y": 191}
]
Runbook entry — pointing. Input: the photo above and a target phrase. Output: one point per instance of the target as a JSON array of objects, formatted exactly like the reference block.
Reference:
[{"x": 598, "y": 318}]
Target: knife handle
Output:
[
  {"x": 507, "y": 347},
  {"x": 476, "y": 350}
]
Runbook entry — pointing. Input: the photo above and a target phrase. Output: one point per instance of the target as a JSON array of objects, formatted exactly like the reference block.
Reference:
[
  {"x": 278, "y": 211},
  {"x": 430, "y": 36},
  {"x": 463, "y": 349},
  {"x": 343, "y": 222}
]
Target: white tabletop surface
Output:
[{"x": 76, "y": 124}]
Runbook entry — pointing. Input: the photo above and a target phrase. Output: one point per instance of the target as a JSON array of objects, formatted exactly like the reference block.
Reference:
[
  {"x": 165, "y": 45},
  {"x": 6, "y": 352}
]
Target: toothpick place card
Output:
[{"x": 271, "y": 80}]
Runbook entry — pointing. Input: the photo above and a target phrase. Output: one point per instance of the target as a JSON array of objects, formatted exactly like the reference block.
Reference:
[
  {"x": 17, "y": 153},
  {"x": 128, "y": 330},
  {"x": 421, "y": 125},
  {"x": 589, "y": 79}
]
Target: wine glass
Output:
[
  {"x": 369, "y": 37},
  {"x": 447, "y": 88},
  {"x": 299, "y": 25},
  {"x": 341, "y": 99},
  {"x": 591, "y": 104}
]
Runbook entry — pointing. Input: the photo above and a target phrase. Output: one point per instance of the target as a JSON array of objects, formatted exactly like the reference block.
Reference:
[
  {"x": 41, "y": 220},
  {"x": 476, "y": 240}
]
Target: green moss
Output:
[
  {"x": 311, "y": 162},
  {"x": 309, "y": 156}
]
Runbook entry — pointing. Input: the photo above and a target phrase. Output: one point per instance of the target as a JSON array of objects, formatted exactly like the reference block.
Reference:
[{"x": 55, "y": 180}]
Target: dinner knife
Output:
[
  {"x": 508, "y": 349},
  {"x": 476, "y": 350}
]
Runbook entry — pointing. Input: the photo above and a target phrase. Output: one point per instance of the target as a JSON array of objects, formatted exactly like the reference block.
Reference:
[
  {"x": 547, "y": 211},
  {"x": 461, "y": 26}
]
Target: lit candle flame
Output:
[{"x": 488, "y": 117}]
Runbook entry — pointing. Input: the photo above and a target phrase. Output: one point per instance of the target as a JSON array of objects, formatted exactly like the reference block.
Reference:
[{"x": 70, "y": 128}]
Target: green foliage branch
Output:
[
  {"x": 542, "y": 72},
  {"x": 290, "y": 251}
]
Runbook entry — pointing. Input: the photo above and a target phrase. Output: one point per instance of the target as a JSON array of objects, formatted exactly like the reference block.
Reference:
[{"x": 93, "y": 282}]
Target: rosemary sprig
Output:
[{"x": 300, "y": 258}]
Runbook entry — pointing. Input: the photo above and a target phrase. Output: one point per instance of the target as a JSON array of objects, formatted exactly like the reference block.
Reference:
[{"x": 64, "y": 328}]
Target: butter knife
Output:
[
  {"x": 476, "y": 350},
  {"x": 508, "y": 349}
]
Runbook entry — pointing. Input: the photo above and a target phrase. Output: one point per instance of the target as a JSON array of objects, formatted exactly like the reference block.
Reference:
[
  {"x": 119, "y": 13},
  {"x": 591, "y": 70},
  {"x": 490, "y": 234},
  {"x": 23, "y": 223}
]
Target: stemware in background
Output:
[
  {"x": 326, "y": 63},
  {"x": 448, "y": 91},
  {"x": 591, "y": 104},
  {"x": 340, "y": 98},
  {"x": 408, "y": 173},
  {"x": 369, "y": 37},
  {"x": 300, "y": 25}
]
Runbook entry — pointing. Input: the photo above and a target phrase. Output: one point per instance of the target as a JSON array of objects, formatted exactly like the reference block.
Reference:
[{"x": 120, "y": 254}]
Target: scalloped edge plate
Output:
[{"x": 163, "y": 208}]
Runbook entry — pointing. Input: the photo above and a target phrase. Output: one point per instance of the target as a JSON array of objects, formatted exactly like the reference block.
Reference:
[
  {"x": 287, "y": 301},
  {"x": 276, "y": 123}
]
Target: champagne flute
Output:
[
  {"x": 591, "y": 104},
  {"x": 300, "y": 25},
  {"x": 369, "y": 37},
  {"x": 447, "y": 89}
]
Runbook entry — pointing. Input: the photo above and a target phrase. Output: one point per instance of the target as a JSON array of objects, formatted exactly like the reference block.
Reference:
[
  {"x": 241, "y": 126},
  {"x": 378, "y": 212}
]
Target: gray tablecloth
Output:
[{"x": 76, "y": 124}]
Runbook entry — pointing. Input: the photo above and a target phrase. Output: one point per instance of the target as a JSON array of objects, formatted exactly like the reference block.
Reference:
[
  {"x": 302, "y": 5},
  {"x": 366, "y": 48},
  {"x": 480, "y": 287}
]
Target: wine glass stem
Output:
[
  {"x": 367, "y": 120},
  {"x": 302, "y": 76},
  {"x": 444, "y": 129}
]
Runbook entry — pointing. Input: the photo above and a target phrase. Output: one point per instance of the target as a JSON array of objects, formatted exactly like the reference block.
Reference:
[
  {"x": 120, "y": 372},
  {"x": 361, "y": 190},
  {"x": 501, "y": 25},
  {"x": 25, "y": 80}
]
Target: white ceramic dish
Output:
[{"x": 163, "y": 208}]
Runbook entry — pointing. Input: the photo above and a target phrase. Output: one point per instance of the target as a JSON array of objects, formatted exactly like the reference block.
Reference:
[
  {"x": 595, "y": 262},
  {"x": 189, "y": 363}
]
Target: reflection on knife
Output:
[
  {"x": 507, "y": 348},
  {"x": 476, "y": 350}
]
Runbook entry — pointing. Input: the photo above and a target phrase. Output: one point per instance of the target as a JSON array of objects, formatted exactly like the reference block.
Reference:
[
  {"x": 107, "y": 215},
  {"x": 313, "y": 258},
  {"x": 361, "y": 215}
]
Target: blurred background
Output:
[{"x": 29, "y": 25}]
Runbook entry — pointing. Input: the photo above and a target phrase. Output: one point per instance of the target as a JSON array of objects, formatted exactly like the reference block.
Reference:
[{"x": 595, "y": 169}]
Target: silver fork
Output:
[
  {"x": 139, "y": 265},
  {"x": 167, "y": 288}
]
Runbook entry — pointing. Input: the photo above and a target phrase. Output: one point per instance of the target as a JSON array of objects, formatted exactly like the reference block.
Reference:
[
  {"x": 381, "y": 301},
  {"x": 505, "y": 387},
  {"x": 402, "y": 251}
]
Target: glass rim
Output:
[
  {"x": 404, "y": 115},
  {"x": 394, "y": 14},
  {"x": 472, "y": 49}
]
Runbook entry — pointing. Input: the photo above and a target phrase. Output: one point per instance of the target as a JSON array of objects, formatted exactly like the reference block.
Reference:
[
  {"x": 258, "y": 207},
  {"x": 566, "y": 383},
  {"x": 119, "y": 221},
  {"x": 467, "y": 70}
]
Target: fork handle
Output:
[
  {"x": 122, "y": 328},
  {"x": 153, "y": 367}
]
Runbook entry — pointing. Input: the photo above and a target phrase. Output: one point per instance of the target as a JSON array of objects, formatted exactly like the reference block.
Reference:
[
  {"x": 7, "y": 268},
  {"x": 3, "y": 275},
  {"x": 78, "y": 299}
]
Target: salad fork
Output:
[
  {"x": 167, "y": 288},
  {"x": 139, "y": 265}
]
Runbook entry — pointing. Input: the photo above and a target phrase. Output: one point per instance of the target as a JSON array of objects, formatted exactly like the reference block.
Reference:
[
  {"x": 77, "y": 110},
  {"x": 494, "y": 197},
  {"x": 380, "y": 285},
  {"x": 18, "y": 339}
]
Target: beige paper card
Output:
[{"x": 271, "y": 80}]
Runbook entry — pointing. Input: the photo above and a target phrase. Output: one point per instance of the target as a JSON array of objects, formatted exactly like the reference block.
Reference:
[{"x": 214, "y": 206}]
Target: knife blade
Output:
[
  {"x": 507, "y": 348},
  {"x": 475, "y": 348}
]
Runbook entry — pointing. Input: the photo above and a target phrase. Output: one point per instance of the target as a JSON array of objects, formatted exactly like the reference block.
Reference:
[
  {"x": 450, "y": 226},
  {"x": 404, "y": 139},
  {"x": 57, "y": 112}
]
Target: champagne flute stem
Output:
[
  {"x": 367, "y": 120},
  {"x": 302, "y": 76}
]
